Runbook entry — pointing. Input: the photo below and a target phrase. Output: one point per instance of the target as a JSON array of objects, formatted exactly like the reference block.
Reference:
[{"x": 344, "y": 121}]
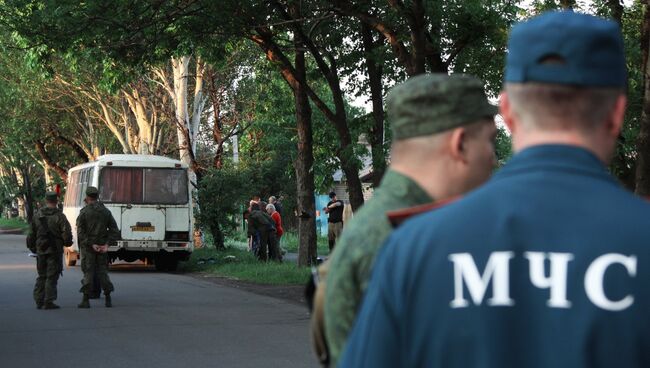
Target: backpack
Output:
[{"x": 44, "y": 238}]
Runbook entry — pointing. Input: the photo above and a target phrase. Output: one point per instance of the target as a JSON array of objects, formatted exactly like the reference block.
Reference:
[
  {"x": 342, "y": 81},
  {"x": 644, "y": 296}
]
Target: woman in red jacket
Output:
[{"x": 275, "y": 215}]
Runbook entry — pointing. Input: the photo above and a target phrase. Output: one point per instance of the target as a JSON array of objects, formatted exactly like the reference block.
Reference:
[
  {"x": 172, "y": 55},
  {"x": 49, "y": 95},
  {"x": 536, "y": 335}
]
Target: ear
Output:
[
  {"x": 505, "y": 109},
  {"x": 458, "y": 144},
  {"x": 616, "y": 118}
]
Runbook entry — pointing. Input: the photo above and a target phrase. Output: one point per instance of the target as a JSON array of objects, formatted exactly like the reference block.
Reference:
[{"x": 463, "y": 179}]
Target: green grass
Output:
[
  {"x": 290, "y": 243},
  {"x": 244, "y": 266},
  {"x": 13, "y": 223}
]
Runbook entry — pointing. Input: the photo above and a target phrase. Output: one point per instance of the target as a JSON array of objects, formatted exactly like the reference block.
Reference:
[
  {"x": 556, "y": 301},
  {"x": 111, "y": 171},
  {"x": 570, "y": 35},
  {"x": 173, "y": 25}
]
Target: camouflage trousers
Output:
[
  {"x": 49, "y": 267},
  {"x": 95, "y": 264}
]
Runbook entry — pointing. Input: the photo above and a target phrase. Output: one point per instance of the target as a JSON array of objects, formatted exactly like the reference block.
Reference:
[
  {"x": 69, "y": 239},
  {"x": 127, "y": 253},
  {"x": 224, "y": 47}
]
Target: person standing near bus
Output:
[
  {"x": 49, "y": 233},
  {"x": 96, "y": 227}
]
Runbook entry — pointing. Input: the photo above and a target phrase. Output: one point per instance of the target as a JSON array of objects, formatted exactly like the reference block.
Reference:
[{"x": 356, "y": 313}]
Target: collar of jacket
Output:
[
  {"x": 400, "y": 185},
  {"x": 558, "y": 158}
]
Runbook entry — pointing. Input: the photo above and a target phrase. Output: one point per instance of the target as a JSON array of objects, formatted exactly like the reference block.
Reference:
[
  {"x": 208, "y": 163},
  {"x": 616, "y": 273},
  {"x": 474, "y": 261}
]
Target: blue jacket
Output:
[{"x": 547, "y": 265}]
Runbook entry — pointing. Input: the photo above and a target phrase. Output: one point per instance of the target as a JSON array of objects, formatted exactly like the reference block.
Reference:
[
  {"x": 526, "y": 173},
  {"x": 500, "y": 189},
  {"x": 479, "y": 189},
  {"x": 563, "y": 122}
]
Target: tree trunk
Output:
[
  {"x": 49, "y": 162},
  {"x": 376, "y": 132},
  {"x": 307, "y": 251},
  {"x": 616, "y": 9},
  {"x": 28, "y": 195},
  {"x": 643, "y": 143},
  {"x": 568, "y": 4}
]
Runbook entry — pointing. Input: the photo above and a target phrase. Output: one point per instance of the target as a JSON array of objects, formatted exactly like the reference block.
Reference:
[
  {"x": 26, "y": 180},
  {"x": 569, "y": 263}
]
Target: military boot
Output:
[
  {"x": 84, "y": 303},
  {"x": 108, "y": 302},
  {"x": 50, "y": 305}
]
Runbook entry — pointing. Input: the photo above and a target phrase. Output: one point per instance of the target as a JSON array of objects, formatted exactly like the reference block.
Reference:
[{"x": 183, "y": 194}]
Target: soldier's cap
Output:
[
  {"x": 563, "y": 47},
  {"x": 51, "y": 196},
  {"x": 432, "y": 103},
  {"x": 92, "y": 192}
]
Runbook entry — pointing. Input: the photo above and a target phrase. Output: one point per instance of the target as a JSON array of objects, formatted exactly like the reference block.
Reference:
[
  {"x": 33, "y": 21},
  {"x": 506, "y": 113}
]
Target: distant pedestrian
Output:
[
  {"x": 334, "y": 209},
  {"x": 274, "y": 242},
  {"x": 96, "y": 228},
  {"x": 49, "y": 233},
  {"x": 277, "y": 219},
  {"x": 278, "y": 205}
]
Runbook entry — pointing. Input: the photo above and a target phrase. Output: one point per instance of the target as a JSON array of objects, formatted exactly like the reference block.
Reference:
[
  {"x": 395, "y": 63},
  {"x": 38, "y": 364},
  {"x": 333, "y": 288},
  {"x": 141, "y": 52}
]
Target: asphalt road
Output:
[{"x": 159, "y": 320}]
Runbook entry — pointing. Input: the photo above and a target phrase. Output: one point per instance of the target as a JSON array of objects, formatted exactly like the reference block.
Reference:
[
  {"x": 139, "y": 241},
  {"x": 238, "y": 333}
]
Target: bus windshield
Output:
[{"x": 136, "y": 185}]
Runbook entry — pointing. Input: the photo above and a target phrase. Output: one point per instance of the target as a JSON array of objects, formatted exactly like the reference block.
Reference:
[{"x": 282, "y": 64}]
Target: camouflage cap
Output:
[
  {"x": 432, "y": 103},
  {"x": 92, "y": 192},
  {"x": 51, "y": 196}
]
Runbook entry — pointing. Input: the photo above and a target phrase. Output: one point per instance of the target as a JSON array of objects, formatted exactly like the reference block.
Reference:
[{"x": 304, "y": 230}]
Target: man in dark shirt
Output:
[{"x": 335, "y": 220}]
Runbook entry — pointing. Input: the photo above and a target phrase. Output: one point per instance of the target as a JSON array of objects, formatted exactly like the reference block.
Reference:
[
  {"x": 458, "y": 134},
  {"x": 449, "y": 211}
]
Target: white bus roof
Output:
[{"x": 132, "y": 161}]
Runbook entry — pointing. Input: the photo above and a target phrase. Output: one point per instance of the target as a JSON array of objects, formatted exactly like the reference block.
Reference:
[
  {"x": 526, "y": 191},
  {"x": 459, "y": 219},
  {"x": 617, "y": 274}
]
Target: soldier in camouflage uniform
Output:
[
  {"x": 96, "y": 228},
  {"x": 443, "y": 135},
  {"x": 49, "y": 233}
]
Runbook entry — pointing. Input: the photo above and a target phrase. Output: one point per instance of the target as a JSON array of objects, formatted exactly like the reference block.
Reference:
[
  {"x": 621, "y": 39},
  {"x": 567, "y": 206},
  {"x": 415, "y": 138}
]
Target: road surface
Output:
[{"x": 159, "y": 320}]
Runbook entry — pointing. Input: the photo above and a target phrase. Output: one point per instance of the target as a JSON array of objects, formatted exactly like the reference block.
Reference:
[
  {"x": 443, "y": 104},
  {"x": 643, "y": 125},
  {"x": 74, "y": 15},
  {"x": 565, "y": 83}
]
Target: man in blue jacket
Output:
[{"x": 547, "y": 265}]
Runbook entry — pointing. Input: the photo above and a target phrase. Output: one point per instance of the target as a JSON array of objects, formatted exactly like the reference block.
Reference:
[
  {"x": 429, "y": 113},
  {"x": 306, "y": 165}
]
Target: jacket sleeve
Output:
[
  {"x": 66, "y": 231},
  {"x": 31, "y": 237},
  {"x": 252, "y": 224},
  {"x": 114, "y": 233},
  {"x": 82, "y": 232}
]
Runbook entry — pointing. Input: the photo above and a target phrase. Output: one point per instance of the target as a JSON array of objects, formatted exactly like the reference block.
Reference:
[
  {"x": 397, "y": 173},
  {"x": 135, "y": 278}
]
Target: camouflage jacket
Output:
[
  {"x": 96, "y": 225},
  {"x": 351, "y": 263},
  {"x": 58, "y": 226}
]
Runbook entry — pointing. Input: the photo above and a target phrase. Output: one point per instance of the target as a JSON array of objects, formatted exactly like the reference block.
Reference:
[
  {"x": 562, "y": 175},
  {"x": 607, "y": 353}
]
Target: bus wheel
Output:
[{"x": 70, "y": 258}]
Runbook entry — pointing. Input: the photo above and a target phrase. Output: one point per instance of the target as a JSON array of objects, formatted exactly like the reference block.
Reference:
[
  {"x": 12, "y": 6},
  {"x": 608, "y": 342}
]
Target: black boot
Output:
[
  {"x": 108, "y": 302},
  {"x": 84, "y": 303},
  {"x": 50, "y": 305}
]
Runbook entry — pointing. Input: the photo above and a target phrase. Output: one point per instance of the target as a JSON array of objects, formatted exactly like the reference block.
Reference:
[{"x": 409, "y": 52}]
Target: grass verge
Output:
[
  {"x": 290, "y": 243},
  {"x": 13, "y": 223},
  {"x": 237, "y": 263}
]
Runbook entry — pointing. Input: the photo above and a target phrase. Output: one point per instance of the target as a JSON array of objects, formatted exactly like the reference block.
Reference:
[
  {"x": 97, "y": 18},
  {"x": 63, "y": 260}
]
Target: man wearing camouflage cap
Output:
[
  {"x": 49, "y": 233},
  {"x": 547, "y": 265},
  {"x": 96, "y": 228},
  {"x": 443, "y": 146}
]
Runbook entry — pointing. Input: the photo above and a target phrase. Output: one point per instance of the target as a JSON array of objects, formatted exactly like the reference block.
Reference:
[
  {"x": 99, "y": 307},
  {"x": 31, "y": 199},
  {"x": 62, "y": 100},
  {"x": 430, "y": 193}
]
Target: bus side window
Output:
[{"x": 72, "y": 190}]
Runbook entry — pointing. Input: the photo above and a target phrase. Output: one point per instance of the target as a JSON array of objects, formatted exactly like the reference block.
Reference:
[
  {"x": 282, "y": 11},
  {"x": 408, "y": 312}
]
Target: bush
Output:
[
  {"x": 224, "y": 194},
  {"x": 222, "y": 197}
]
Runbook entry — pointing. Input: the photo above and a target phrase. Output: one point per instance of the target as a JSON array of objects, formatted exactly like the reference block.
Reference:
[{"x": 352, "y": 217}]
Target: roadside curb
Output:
[
  {"x": 290, "y": 293},
  {"x": 11, "y": 231}
]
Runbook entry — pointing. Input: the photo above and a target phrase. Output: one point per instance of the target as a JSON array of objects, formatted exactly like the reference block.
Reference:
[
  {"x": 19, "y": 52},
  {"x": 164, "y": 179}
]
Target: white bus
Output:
[{"x": 150, "y": 199}]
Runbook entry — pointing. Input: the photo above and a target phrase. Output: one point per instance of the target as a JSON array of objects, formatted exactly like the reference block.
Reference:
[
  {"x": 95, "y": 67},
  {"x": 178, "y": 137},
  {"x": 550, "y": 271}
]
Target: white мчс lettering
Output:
[
  {"x": 594, "y": 281},
  {"x": 497, "y": 271},
  {"x": 497, "y": 268},
  {"x": 556, "y": 280}
]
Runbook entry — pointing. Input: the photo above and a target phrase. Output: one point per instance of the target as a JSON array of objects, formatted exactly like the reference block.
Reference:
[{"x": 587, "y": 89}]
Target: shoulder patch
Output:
[{"x": 397, "y": 217}]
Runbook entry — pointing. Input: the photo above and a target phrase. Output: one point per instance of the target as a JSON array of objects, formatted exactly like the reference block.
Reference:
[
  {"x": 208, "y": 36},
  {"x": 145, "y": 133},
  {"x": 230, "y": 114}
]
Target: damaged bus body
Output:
[{"x": 150, "y": 199}]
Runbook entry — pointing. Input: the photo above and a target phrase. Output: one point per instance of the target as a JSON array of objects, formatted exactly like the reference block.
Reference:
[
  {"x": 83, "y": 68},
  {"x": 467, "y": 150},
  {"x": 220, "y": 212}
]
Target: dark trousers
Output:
[
  {"x": 262, "y": 246},
  {"x": 93, "y": 263},
  {"x": 274, "y": 247},
  {"x": 49, "y": 267},
  {"x": 268, "y": 247}
]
